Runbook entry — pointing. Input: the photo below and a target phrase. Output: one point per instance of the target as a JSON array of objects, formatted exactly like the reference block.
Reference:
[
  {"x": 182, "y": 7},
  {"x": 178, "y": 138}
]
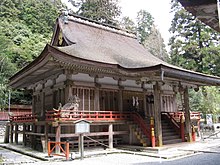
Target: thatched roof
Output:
[{"x": 99, "y": 49}]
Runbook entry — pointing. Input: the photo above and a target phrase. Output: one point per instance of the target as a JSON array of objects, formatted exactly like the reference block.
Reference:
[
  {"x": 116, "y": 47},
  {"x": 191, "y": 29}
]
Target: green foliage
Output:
[
  {"x": 206, "y": 100},
  {"x": 105, "y": 11},
  {"x": 193, "y": 44},
  {"x": 196, "y": 47},
  {"x": 144, "y": 24},
  {"x": 25, "y": 28},
  {"x": 128, "y": 24}
]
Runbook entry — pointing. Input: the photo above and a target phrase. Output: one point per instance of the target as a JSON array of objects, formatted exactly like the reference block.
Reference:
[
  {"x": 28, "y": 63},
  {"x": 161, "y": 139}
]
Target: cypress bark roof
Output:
[{"x": 99, "y": 49}]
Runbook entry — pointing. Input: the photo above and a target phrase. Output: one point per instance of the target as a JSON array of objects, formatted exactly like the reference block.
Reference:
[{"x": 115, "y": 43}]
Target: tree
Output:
[
  {"x": 196, "y": 47},
  {"x": 154, "y": 43},
  {"x": 128, "y": 24},
  {"x": 147, "y": 33},
  {"x": 144, "y": 25},
  {"x": 105, "y": 11},
  {"x": 25, "y": 27},
  {"x": 193, "y": 44}
]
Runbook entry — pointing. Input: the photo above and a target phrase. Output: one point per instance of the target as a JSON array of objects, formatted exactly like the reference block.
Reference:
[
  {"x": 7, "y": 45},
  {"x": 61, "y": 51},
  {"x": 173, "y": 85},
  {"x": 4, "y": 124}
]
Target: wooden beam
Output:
[
  {"x": 157, "y": 113},
  {"x": 93, "y": 134},
  {"x": 187, "y": 115}
]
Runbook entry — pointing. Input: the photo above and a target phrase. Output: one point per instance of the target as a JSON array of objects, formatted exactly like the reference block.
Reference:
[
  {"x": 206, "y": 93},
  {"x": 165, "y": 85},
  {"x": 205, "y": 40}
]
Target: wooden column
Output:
[
  {"x": 130, "y": 134},
  {"x": 120, "y": 100},
  {"x": 110, "y": 136},
  {"x": 187, "y": 115},
  {"x": 97, "y": 104},
  {"x": 24, "y": 135},
  {"x": 11, "y": 133},
  {"x": 68, "y": 85},
  {"x": 157, "y": 114},
  {"x": 145, "y": 103},
  {"x": 33, "y": 137},
  {"x": 46, "y": 127},
  {"x": 58, "y": 131},
  {"x": 16, "y": 133},
  {"x": 42, "y": 113},
  {"x": 7, "y": 130}
]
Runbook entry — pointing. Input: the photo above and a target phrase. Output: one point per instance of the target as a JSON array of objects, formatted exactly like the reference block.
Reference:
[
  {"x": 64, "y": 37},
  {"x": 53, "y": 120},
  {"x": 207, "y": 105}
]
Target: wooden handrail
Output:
[
  {"x": 66, "y": 115},
  {"x": 173, "y": 121},
  {"x": 23, "y": 118},
  {"x": 141, "y": 123}
]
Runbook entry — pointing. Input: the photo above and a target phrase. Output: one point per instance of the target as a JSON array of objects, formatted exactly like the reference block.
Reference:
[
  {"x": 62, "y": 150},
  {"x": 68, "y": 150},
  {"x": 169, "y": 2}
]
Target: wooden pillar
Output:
[
  {"x": 45, "y": 139},
  {"x": 157, "y": 114},
  {"x": 24, "y": 135},
  {"x": 187, "y": 115},
  {"x": 110, "y": 136},
  {"x": 120, "y": 100},
  {"x": 97, "y": 104},
  {"x": 130, "y": 134},
  {"x": 58, "y": 131},
  {"x": 33, "y": 137},
  {"x": 7, "y": 130},
  {"x": 145, "y": 103},
  {"x": 68, "y": 85},
  {"x": 11, "y": 133},
  {"x": 16, "y": 133}
]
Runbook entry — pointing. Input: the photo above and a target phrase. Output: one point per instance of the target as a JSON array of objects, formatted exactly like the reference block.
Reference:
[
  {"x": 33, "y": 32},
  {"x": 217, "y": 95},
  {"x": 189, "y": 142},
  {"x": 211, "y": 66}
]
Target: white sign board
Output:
[{"x": 82, "y": 127}]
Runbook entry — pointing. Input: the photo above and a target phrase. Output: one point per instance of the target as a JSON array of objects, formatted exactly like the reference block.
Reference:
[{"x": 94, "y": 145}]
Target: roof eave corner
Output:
[{"x": 56, "y": 31}]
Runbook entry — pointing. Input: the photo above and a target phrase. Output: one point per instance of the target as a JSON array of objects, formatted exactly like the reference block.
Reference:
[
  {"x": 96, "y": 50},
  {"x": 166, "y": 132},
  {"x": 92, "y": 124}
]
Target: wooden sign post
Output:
[{"x": 82, "y": 126}]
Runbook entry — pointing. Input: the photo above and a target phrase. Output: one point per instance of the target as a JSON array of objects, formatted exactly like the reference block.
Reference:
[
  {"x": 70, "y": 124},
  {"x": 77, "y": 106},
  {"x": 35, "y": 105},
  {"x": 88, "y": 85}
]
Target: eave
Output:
[
  {"x": 204, "y": 10},
  {"x": 53, "y": 62}
]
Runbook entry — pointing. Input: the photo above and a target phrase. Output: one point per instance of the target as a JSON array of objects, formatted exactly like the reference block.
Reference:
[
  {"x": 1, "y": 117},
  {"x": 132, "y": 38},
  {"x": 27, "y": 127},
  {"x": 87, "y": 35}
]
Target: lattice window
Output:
[{"x": 86, "y": 96}]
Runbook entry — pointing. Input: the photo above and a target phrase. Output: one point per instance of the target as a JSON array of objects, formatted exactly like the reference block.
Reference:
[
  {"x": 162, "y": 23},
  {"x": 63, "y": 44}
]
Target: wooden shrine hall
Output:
[{"x": 102, "y": 74}]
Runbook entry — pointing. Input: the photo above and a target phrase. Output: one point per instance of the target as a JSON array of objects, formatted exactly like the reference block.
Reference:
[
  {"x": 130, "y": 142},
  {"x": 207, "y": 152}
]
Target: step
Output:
[
  {"x": 169, "y": 133},
  {"x": 171, "y": 137},
  {"x": 172, "y": 141}
]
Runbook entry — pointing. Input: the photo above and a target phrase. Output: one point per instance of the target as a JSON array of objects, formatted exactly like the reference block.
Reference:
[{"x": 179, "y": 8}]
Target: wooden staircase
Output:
[
  {"x": 139, "y": 134},
  {"x": 170, "y": 136}
]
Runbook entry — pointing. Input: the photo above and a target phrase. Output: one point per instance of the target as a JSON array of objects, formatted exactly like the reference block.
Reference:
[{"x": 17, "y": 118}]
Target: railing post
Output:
[
  {"x": 48, "y": 148},
  {"x": 152, "y": 132},
  {"x": 193, "y": 133},
  {"x": 67, "y": 150},
  {"x": 111, "y": 115},
  {"x": 182, "y": 131}
]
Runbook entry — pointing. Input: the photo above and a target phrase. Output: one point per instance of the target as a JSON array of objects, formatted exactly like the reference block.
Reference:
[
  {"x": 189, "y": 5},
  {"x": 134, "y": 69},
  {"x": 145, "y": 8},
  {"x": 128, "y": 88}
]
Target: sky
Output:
[{"x": 160, "y": 10}]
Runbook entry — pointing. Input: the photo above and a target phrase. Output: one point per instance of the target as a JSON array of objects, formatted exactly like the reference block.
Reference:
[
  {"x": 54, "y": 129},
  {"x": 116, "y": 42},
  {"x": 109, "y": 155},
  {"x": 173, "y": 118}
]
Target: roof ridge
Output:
[{"x": 111, "y": 28}]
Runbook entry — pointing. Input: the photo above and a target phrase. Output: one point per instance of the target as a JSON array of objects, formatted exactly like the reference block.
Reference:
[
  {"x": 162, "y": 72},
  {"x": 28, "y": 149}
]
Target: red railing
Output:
[
  {"x": 4, "y": 115},
  {"x": 23, "y": 118},
  {"x": 177, "y": 115},
  {"x": 69, "y": 115},
  {"x": 172, "y": 119},
  {"x": 142, "y": 124},
  {"x": 64, "y": 150}
]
